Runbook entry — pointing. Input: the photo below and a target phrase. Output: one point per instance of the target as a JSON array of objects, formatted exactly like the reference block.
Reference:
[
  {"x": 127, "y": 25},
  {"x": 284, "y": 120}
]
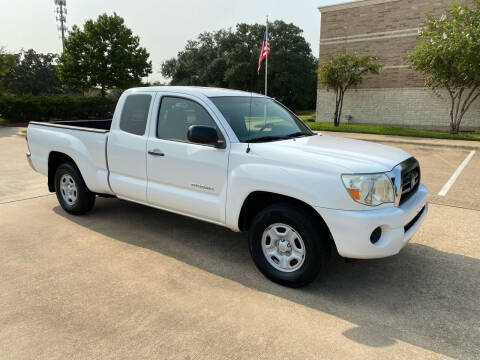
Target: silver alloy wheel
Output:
[
  {"x": 68, "y": 188},
  {"x": 283, "y": 247}
]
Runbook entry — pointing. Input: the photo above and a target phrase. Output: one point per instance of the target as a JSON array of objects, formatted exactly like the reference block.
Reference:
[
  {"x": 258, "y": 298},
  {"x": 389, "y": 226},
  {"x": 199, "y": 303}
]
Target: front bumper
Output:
[{"x": 351, "y": 230}]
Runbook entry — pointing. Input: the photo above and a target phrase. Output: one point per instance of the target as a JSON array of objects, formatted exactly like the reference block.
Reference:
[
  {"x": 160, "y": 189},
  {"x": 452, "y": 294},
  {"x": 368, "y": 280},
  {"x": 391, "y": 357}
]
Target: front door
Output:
[{"x": 185, "y": 177}]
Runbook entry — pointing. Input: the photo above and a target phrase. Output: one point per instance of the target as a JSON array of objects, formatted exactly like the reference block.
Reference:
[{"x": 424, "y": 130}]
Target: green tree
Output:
[
  {"x": 7, "y": 61},
  {"x": 448, "y": 55},
  {"x": 343, "y": 72},
  {"x": 105, "y": 55},
  {"x": 33, "y": 73},
  {"x": 228, "y": 58}
]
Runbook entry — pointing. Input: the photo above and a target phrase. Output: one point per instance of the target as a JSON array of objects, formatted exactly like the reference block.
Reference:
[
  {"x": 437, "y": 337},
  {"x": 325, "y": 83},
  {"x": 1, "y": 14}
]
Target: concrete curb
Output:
[{"x": 466, "y": 147}]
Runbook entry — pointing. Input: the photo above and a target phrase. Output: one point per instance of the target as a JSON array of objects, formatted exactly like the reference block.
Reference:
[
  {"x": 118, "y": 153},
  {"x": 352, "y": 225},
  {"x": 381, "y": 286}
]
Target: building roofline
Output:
[{"x": 351, "y": 4}]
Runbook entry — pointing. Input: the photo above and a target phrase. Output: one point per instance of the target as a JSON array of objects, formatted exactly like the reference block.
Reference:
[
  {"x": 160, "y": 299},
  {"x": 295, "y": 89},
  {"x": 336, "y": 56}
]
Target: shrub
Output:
[
  {"x": 448, "y": 55},
  {"x": 45, "y": 108},
  {"x": 343, "y": 72}
]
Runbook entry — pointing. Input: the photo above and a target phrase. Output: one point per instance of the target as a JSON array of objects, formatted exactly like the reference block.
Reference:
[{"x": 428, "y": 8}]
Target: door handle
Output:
[{"x": 156, "y": 152}]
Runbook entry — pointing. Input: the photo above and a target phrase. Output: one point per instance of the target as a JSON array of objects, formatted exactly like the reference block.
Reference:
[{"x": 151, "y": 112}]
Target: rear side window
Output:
[{"x": 135, "y": 114}]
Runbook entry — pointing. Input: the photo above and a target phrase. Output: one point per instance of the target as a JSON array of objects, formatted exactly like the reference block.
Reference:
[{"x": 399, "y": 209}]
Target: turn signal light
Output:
[{"x": 354, "y": 193}]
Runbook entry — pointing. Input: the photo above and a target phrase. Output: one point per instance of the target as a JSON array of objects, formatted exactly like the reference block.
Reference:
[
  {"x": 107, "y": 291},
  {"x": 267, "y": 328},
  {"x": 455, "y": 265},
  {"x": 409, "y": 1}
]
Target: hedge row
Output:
[{"x": 45, "y": 108}]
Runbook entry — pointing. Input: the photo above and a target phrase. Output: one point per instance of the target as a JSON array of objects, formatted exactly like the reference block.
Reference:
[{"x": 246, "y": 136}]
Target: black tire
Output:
[
  {"x": 315, "y": 240},
  {"x": 84, "y": 198}
]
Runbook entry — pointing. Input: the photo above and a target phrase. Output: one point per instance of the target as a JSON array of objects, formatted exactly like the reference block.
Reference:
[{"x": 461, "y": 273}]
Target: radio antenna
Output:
[
  {"x": 250, "y": 114},
  {"x": 249, "y": 122}
]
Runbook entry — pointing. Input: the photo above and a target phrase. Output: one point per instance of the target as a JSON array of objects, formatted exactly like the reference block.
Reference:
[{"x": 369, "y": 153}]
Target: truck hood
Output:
[{"x": 338, "y": 153}]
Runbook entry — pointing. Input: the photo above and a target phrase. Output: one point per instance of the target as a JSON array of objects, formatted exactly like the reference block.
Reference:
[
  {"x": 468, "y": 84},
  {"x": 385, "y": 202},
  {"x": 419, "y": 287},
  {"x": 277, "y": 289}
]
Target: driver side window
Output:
[{"x": 177, "y": 115}]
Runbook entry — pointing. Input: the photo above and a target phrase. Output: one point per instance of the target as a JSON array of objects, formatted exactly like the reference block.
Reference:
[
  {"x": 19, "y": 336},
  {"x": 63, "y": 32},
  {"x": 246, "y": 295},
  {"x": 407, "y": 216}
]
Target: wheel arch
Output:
[
  {"x": 55, "y": 159},
  {"x": 256, "y": 201}
]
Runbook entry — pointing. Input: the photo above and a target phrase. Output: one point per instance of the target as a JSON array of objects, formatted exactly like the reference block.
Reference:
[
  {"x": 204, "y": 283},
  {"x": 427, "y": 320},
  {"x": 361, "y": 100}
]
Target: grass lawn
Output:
[
  {"x": 3, "y": 121},
  {"x": 383, "y": 130},
  {"x": 305, "y": 113}
]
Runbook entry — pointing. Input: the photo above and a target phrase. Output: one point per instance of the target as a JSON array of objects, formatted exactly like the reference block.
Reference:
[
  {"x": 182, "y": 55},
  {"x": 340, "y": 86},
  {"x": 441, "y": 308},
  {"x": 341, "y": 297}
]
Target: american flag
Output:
[{"x": 265, "y": 51}]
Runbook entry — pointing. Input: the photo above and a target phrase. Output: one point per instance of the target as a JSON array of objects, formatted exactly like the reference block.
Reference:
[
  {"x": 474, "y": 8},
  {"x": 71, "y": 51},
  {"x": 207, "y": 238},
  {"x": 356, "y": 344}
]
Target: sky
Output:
[{"x": 164, "y": 26}]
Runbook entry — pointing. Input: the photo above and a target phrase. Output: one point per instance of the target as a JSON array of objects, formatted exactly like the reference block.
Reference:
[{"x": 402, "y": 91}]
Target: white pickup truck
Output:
[{"x": 243, "y": 161}]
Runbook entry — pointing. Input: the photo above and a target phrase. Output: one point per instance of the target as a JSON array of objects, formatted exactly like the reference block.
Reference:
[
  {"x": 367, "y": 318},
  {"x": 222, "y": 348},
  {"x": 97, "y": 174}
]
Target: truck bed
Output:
[{"x": 84, "y": 141}]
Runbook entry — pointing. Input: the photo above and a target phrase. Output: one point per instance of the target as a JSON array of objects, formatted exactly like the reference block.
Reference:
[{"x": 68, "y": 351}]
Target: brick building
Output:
[{"x": 388, "y": 29}]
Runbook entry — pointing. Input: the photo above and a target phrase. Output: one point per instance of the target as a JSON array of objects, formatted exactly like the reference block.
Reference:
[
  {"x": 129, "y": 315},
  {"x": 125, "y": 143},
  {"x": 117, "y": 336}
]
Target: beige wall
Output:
[
  {"x": 407, "y": 107},
  {"x": 392, "y": 53},
  {"x": 388, "y": 29},
  {"x": 376, "y": 16}
]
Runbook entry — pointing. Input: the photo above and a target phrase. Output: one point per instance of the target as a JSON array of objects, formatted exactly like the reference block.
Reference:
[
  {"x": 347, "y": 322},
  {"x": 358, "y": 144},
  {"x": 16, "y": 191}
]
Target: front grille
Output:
[{"x": 410, "y": 179}]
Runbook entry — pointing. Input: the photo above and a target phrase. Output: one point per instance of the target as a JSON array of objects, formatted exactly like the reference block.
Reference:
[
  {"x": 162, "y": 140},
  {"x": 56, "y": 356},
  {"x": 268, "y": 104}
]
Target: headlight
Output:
[{"x": 370, "y": 189}]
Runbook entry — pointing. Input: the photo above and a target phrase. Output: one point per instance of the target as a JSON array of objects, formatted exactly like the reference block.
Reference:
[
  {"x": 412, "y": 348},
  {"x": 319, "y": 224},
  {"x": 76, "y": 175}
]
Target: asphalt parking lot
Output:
[{"x": 128, "y": 281}]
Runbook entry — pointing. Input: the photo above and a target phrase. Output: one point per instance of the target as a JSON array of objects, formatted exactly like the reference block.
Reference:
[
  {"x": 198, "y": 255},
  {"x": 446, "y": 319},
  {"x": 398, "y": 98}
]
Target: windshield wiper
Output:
[
  {"x": 267, "y": 138},
  {"x": 275, "y": 138},
  {"x": 297, "y": 134}
]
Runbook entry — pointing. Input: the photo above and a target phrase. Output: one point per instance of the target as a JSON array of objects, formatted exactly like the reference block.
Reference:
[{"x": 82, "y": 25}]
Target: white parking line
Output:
[{"x": 455, "y": 175}]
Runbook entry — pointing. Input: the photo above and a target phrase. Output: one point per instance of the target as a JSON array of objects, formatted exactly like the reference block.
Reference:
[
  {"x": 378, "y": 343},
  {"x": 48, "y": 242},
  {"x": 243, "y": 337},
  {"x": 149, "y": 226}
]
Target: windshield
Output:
[{"x": 258, "y": 119}]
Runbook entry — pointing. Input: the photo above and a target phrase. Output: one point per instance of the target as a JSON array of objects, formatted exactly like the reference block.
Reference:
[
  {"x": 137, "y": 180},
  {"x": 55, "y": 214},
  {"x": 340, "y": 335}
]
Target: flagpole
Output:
[{"x": 266, "y": 63}]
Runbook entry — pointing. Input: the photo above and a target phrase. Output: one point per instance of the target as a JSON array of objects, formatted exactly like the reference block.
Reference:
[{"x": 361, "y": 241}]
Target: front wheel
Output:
[
  {"x": 72, "y": 193},
  {"x": 288, "y": 246}
]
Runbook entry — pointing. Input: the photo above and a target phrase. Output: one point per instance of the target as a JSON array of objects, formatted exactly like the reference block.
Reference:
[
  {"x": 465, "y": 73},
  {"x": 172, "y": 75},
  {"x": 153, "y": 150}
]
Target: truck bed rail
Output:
[{"x": 99, "y": 126}]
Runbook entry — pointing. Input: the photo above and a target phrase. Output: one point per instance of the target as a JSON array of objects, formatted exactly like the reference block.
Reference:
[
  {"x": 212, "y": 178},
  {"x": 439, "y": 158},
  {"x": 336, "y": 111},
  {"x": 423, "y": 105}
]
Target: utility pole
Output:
[{"x": 61, "y": 17}]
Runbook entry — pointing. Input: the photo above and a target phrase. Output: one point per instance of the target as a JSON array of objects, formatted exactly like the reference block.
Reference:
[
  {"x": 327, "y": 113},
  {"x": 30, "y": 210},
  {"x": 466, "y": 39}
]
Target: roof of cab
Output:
[{"x": 197, "y": 90}]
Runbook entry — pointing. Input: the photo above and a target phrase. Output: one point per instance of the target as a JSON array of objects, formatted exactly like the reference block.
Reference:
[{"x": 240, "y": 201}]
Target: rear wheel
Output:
[
  {"x": 288, "y": 246},
  {"x": 72, "y": 193}
]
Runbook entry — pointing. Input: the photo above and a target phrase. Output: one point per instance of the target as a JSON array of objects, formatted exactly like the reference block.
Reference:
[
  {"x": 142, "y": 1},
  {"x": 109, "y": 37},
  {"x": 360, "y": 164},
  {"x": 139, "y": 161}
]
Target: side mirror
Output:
[{"x": 201, "y": 134}]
